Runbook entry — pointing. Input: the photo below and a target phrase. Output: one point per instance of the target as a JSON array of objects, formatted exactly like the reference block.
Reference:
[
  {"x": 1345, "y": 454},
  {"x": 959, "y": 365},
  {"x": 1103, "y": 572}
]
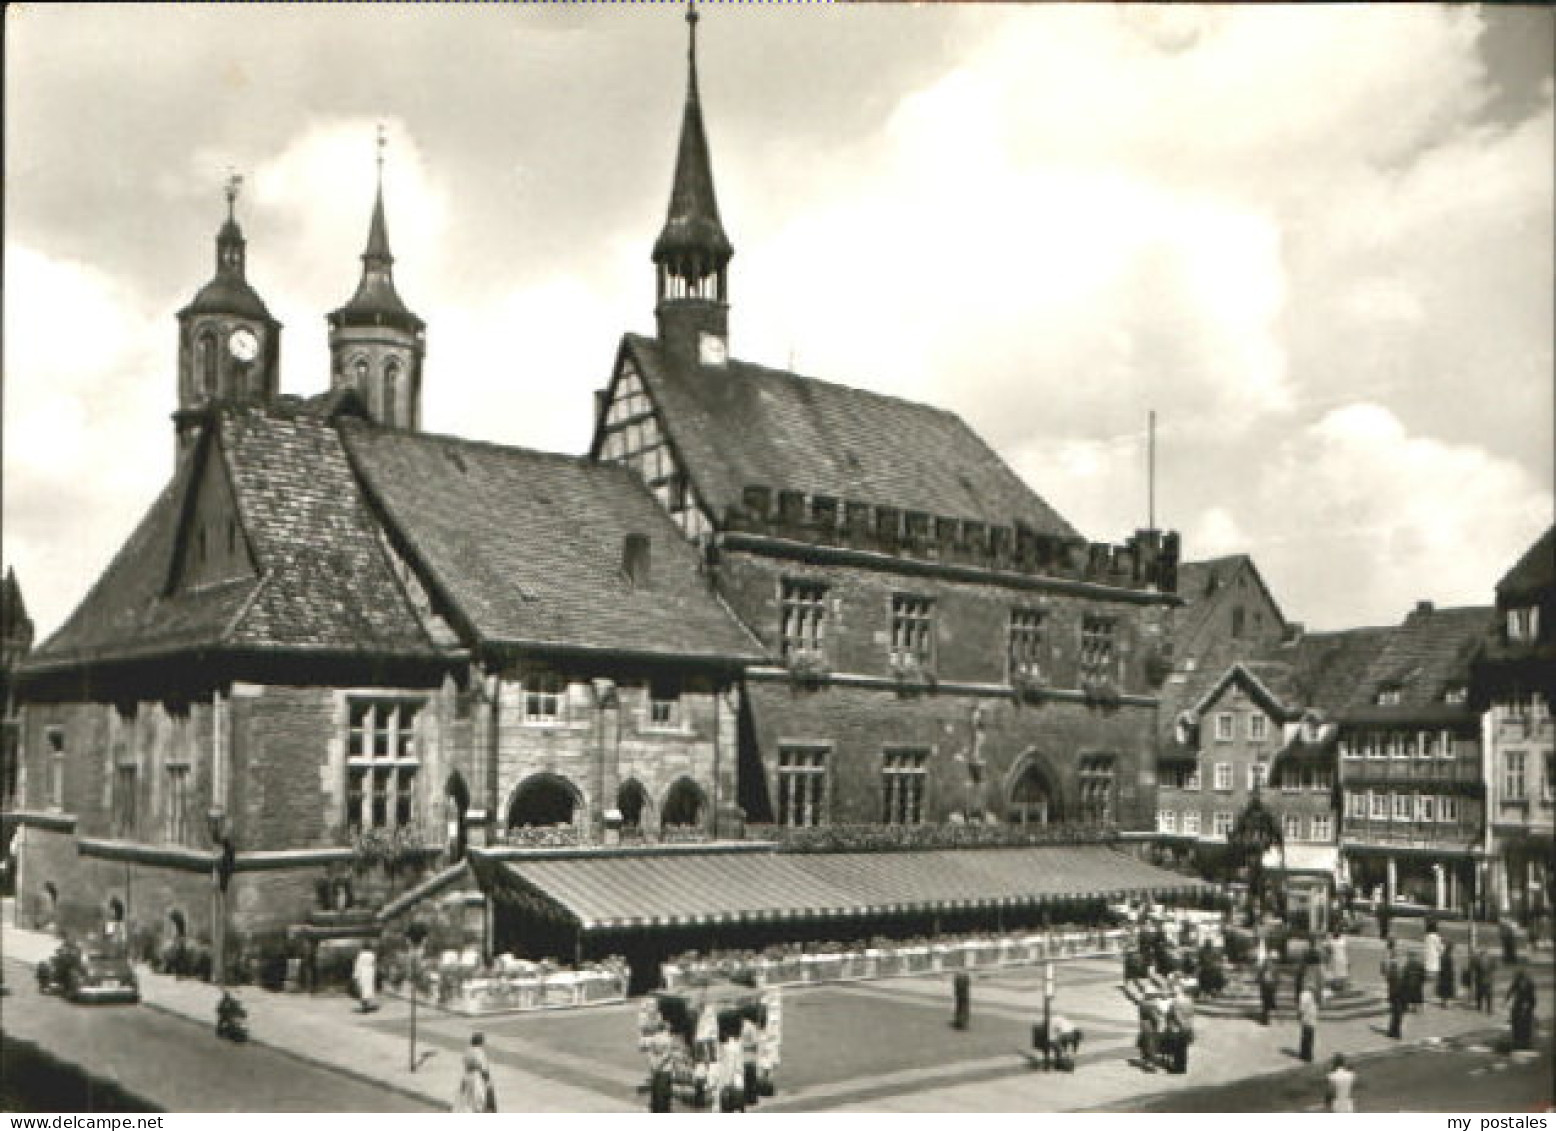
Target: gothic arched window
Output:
[
  {"x": 391, "y": 391},
  {"x": 205, "y": 364}
]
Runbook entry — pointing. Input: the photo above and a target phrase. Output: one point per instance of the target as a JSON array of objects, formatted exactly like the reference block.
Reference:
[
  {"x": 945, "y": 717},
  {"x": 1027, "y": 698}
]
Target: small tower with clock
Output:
[
  {"x": 376, "y": 343},
  {"x": 691, "y": 256},
  {"x": 229, "y": 347}
]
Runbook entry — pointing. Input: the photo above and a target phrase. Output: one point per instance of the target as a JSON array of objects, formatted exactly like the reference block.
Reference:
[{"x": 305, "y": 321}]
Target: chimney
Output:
[
  {"x": 635, "y": 559},
  {"x": 1424, "y": 606}
]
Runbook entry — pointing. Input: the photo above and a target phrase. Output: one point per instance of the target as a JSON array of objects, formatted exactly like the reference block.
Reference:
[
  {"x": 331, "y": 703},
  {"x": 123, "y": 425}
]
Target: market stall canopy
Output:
[{"x": 615, "y": 891}]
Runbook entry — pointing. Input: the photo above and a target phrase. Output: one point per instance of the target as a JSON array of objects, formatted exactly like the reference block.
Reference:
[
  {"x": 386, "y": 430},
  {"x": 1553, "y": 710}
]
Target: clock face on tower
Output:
[{"x": 243, "y": 344}]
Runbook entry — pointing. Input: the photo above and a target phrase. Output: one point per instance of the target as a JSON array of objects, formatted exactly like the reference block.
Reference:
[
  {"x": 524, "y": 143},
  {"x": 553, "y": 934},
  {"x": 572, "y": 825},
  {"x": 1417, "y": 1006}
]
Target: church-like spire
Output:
[
  {"x": 376, "y": 343},
  {"x": 692, "y": 225},
  {"x": 692, "y": 253}
]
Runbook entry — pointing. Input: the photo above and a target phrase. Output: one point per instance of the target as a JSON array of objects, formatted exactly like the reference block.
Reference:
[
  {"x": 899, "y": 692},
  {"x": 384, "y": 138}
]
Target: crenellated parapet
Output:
[{"x": 1148, "y": 560}]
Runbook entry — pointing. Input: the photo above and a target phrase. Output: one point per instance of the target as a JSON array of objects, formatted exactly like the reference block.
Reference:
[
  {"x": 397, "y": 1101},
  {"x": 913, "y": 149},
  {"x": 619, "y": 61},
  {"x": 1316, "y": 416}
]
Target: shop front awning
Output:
[
  {"x": 1314, "y": 859},
  {"x": 599, "y": 892}
]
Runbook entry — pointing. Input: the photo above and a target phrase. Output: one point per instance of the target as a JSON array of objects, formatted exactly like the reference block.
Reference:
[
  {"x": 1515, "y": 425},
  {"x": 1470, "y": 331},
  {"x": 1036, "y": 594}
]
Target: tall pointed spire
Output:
[
  {"x": 376, "y": 343},
  {"x": 692, "y": 253},
  {"x": 693, "y": 224}
]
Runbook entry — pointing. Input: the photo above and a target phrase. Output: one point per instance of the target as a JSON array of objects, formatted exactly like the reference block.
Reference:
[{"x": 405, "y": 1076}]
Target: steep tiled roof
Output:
[
  {"x": 1199, "y": 583},
  {"x": 1422, "y": 658},
  {"x": 1535, "y": 572},
  {"x": 1323, "y": 669},
  {"x": 528, "y": 547},
  {"x": 323, "y": 585},
  {"x": 740, "y": 424}
]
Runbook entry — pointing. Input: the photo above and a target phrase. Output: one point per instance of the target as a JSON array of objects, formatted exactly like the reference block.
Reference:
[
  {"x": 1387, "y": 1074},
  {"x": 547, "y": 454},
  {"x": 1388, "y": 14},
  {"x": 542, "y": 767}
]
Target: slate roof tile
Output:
[
  {"x": 528, "y": 546},
  {"x": 741, "y": 424}
]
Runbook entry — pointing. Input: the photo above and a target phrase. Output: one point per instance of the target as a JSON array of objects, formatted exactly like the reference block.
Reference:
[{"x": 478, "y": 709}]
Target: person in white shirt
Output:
[{"x": 1342, "y": 1082}]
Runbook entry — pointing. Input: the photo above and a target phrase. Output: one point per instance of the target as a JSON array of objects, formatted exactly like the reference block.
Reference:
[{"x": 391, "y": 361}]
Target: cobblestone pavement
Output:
[{"x": 864, "y": 1047}]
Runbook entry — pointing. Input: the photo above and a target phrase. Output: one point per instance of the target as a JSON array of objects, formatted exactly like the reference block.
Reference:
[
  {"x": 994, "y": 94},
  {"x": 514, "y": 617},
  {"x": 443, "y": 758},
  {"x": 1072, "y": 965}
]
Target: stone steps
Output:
[{"x": 1241, "y": 999}]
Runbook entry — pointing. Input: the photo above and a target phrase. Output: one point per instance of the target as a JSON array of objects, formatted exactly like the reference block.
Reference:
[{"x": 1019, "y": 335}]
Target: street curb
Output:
[{"x": 315, "y": 1062}]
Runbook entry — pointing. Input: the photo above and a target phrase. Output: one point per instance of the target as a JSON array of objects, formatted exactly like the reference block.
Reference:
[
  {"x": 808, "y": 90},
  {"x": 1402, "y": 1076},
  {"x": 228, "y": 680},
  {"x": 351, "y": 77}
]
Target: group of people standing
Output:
[
  {"x": 725, "y": 1061},
  {"x": 1406, "y": 979},
  {"x": 1166, "y": 1026}
]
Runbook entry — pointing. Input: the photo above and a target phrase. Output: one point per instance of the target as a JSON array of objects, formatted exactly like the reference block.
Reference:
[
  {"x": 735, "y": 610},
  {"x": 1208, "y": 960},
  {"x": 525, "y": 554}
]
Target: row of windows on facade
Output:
[
  {"x": 804, "y": 616},
  {"x": 802, "y": 793},
  {"x": 1411, "y": 808},
  {"x": 1291, "y": 779},
  {"x": 1398, "y": 744},
  {"x": 1257, "y": 728},
  {"x": 1320, "y": 825},
  {"x": 545, "y": 702},
  {"x": 1523, "y": 623}
]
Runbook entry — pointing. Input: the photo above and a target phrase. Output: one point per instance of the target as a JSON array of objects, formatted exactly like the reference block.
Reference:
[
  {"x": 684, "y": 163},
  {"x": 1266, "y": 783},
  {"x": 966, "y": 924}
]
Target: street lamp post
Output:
[{"x": 416, "y": 935}]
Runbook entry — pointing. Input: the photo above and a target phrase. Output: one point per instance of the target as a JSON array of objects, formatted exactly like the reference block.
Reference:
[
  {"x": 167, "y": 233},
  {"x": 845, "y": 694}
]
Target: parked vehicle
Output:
[{"x": 99, "y": 972}]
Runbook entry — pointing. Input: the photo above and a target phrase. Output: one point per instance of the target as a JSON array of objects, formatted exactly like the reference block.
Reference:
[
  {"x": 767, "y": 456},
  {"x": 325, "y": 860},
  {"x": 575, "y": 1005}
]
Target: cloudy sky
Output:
[{"x": 1317, "y": 241}]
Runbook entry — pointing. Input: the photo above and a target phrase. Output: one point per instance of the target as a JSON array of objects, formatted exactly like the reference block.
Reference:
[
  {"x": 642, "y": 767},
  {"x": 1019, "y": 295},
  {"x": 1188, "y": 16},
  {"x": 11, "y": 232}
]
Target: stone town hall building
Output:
[{"x": 760, "y": 598}]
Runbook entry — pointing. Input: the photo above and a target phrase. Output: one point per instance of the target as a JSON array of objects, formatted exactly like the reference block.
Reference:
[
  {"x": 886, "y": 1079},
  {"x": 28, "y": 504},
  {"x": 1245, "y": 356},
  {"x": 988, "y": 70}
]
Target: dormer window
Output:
[
  {"x": 1387, "y": 697},
  {"x": 1457, "y": 693},
  {"x": 1523, "y": 623}
]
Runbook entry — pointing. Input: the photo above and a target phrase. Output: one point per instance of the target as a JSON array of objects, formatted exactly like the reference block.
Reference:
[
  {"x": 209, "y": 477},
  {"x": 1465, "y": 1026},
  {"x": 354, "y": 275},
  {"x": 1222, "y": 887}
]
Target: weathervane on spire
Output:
[
  {"x": 234, "y": 183},
  {"x": 383, "y": 141}
]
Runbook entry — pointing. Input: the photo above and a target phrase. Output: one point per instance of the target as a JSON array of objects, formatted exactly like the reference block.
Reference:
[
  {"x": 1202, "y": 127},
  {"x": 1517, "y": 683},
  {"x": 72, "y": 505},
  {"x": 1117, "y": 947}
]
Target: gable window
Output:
[
  {"x": 178, "y": 826},
  {"x": 1024, "y": 645},
  {"x": 803, "y": 625},
  {"x": 1523, "y": 623},
  {"x": 1096, "y": 781},
  {"x": 902, "y": 786},
  {"x": 1097, "y": 647},
  {"x": 381, "y": 762},
  {"x": 1238, "y": 617},
  {"x": 1513, "y": 786},
  {"x": 1323, "y": 779},
  {"x": 1191, "y": 821},
  {"x": 1224, "y": 724},
  {"x": 802, "y": 786},
  {"x": 1258, "y": 727},
  {"x": 912, "y": 630},
  {"x": 1322, "y": 829},
  {"x": 1387, "y": 697},
  {"x": 664, "y": 705},
  {"x": 543, "y": 697},
  {"x": 1223, "y": 776}
]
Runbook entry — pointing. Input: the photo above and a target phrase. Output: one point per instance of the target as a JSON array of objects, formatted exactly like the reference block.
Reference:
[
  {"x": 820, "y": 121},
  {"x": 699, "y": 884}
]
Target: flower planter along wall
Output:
[{"x": 460, "y": 984}]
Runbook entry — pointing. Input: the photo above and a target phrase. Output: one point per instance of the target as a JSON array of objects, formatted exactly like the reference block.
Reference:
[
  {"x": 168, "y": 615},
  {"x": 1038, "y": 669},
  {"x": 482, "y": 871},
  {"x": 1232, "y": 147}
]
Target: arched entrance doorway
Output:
[
  {"x": 543, "y": 801},
  {"x": 1033, "y": 799},
  {"x": 632, "y": 803},
  {"x": 456, "y": 803},
  {"x": 685, "y": 805}
]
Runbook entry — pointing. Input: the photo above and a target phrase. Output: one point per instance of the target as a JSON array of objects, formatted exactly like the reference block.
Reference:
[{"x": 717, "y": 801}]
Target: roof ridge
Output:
[{"x": 448, "y": 439}]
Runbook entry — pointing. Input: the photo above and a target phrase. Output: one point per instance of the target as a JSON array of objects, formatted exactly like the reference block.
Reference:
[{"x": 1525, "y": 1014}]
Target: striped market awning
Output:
[{"x": 599, "y": 892}]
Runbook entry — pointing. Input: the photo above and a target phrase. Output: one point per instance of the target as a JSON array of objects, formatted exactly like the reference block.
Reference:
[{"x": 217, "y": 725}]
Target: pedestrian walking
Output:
[
  {"x": 661, "y": 1069},
  {"x": 1396, "y": 992},
  {"x": 1432, "y": 953},
  {"x": 1341, "y": 961},
  {"x": 478, "y": 1049},
  {"x": 1307, "y": 1017},
  {"x": 1447, "y": 988},
  {"x": 750, "y": 1057},
  {"x": 1180, "y": 1022},
  {"x": 1415, "y": 982},
  {"x": 364, "y": 977},
  {"x": 1268, "y": 981},
  {"x": 1383, "y": 920},
  {"x": 1483, "y": 976},
  {"x": 961, "y": 992},
  {"x": 1342, "y": 1083},
  {"x": 470, "y": 1095},
  {"x": 1509, "y": 939},
  {"x": 1521, "y": 997},
  {"x": 731, "y": 1073},
  {"x": 1299, "y": 981}
]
